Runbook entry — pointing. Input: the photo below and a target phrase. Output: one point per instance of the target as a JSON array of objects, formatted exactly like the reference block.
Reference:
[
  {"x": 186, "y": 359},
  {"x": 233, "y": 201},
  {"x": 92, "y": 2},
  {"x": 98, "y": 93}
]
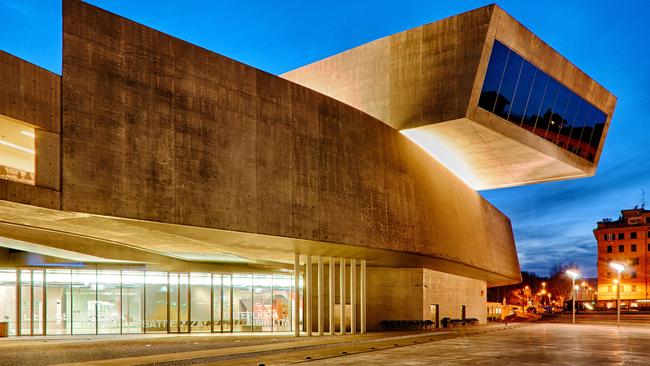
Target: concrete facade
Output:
[
  {"x": 408, "y": 293},
  {"x": 153, "y": 154},
  {"x": 625, "y": 241},
  {"x": 426, "y": 82}
]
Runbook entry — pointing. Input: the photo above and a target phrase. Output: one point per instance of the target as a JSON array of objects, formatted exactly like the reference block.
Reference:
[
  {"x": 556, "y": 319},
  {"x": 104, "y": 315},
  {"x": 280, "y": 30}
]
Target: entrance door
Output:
[{"x": 434, "y": 314}]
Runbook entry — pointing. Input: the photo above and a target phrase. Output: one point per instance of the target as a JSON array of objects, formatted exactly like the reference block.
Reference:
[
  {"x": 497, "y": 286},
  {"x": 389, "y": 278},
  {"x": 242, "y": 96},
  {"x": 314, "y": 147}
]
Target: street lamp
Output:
[
  {"x": 618, "y": 268},
  {"x": 574, "y": 275}
]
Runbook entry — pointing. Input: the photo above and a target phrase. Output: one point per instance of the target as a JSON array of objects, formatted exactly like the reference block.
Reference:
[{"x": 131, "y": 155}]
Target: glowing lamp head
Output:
[
  {"x": 617, "y": 267},
  {"x": 573, "y": 274}
]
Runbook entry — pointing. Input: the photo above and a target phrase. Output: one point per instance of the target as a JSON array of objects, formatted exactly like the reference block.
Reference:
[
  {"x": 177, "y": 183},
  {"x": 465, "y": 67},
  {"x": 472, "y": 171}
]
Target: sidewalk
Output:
[{"x": 297, "y": 349}]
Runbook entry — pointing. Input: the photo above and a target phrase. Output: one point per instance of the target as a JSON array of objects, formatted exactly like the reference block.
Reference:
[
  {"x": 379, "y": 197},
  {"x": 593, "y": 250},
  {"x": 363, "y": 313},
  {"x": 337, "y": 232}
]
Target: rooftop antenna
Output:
[{"x": 643, "y": 198}]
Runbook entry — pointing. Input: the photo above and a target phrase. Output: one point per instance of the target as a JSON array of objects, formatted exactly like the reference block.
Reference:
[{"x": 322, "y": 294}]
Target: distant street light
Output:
[
  {"x": 618, "y": 268},
  {"x": 574, "y": 275}
]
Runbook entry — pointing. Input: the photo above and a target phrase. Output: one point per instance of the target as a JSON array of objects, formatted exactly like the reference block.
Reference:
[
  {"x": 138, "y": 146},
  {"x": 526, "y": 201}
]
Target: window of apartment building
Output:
[
  {"x": 633, "y": 288},
  {"x": 632, "y": 274},
  {"x": 649, "y": 247},
  {"x": 633, "y": 248},
  {"x": 647, "y": 220},
  {"x": 621, "y": 236},
  {"x": 635, "y": 260},
  {"x": 609, "y": 288},
  {"x": 609, "y": 249},
  {"x": 633, "y": 235},
  {"x": 621, "y": 248}
]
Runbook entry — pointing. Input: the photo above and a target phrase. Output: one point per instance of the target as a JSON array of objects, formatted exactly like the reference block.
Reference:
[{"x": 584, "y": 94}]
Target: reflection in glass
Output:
[
  {"x": 516, "y": 90},
  {"x": 108, "y": 302},
  {"x": 263, "y": 303},
  {"x": 8, "y": 298},
  {"x": 217, "y": 316},
  {"x": 281, "y": 303},
  {"x": 132, "y": 301},
  {"x": 84, "y": 302},
  {"x": 242, "y": 303},
  {"x": 38, "y": 305},
  {"x": 25, "y": 302},
  {"x": 184, "y": 303},
  {"x": 173, "y": 303},
  {"x": 59, "y": 296},
  {"x": 227, "y": 303},
  {"x": 155, "y": 302},
  {"x": 508, "y": 85},
  {"x": 78, "y": 301},
  {"x": 522, "y": 93},
  {"x": 201, "y": 287}
]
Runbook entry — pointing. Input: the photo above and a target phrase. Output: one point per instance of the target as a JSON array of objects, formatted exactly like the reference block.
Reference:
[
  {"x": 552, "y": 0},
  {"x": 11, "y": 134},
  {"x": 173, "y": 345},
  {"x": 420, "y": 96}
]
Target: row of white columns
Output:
[{"x": 320, "y": 272}]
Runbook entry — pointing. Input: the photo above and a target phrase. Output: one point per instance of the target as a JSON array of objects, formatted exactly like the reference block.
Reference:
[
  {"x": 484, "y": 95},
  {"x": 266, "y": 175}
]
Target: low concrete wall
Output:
[{"x": 408, "y": 293}]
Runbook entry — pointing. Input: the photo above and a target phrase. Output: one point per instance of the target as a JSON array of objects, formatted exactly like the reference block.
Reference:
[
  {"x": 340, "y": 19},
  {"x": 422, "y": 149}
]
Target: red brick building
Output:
[{"x": 626, "y": 241}]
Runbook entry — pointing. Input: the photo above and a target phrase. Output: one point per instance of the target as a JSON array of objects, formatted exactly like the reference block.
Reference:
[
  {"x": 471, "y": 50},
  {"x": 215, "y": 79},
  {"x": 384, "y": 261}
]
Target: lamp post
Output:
[
  {"x": 574, "y": 275},
  {"x": 618, "y": 268}
]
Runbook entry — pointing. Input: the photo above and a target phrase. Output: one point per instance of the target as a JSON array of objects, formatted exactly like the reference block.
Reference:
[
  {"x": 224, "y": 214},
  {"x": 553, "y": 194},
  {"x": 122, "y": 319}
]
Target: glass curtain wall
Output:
[
  {"x": 8, "y": 279},
  {"x": 520, "y": 92},
  {"x": 155, "y": 299},
  {"x": 59, "y": 301},
  {"x": 64, "y": 301},
  {"x": 109, "y": 302},
  {"x": 201, "y": 301},
  {"x": 132, "y": 301}
]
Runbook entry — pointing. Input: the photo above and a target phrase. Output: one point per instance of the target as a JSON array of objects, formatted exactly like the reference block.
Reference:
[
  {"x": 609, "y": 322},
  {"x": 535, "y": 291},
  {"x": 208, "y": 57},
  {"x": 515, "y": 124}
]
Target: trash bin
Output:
[{"x": 4, "y": 329}]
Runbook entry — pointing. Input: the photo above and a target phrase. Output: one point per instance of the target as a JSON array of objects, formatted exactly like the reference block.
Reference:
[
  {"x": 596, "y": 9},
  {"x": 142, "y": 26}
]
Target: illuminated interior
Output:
[{"x": 17, "y": 153}]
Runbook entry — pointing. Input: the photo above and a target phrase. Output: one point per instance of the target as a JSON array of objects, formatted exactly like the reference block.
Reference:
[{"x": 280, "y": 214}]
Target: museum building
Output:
[{"x": 158, "y": 187}]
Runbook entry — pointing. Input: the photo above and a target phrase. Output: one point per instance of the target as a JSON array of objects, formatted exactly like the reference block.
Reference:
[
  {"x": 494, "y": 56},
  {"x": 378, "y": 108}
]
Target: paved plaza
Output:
[{"x": 530, "y": 344}]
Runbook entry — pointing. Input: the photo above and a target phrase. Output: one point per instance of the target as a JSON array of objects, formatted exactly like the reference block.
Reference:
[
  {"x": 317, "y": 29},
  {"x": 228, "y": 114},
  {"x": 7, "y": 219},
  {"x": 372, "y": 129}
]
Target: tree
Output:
[{"x": 559, "y": 282}]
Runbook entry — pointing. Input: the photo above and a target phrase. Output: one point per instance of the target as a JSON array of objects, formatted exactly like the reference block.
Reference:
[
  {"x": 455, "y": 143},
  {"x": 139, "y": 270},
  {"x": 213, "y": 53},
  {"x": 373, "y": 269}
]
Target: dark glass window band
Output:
[{"x": 518, "y": 91}]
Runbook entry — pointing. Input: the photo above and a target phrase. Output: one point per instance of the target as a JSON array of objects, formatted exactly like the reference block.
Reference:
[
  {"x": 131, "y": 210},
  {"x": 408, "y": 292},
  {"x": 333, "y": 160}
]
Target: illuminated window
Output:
[
  {"x": 16, "y": 151},
  {"x": 633, "y": 288}
]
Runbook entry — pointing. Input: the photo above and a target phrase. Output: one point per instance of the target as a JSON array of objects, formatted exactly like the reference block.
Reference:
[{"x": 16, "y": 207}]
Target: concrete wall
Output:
[
  {"x": 408, "y": 293},
  {"x": 32, "y": 96},
  {"x": 420, "y": 76},
  {"x": 430, "y": 78},
  {"x": 162, "y": 130}
]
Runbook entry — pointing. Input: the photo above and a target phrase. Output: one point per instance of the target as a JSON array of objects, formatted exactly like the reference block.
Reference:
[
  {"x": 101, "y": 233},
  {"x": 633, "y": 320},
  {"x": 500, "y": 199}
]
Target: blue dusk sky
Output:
[{"x": 609, "y": 40}]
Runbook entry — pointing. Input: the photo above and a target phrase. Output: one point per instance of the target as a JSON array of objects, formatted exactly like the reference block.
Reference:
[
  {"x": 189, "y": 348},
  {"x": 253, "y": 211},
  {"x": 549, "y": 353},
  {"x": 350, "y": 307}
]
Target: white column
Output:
[
  {"x": 296, "y": 295},
  {"x": 363, "y": 296},
  {"x": 308, "y": 293},
  {"x": 342, "y": 296},
  {"x": 353, "y": 296},
  {"x": 332, "y": 294},
  {"x": 321, "y": 315}
]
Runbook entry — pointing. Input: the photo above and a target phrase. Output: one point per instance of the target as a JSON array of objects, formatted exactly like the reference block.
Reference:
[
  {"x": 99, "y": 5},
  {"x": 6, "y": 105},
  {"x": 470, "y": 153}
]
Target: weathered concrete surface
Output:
[
  {"x": 158, "y": 129},
  {"x": 32, "y": 95},
  {"x": 417, "y": 79},
  {"x": 408, "y": 293}
]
